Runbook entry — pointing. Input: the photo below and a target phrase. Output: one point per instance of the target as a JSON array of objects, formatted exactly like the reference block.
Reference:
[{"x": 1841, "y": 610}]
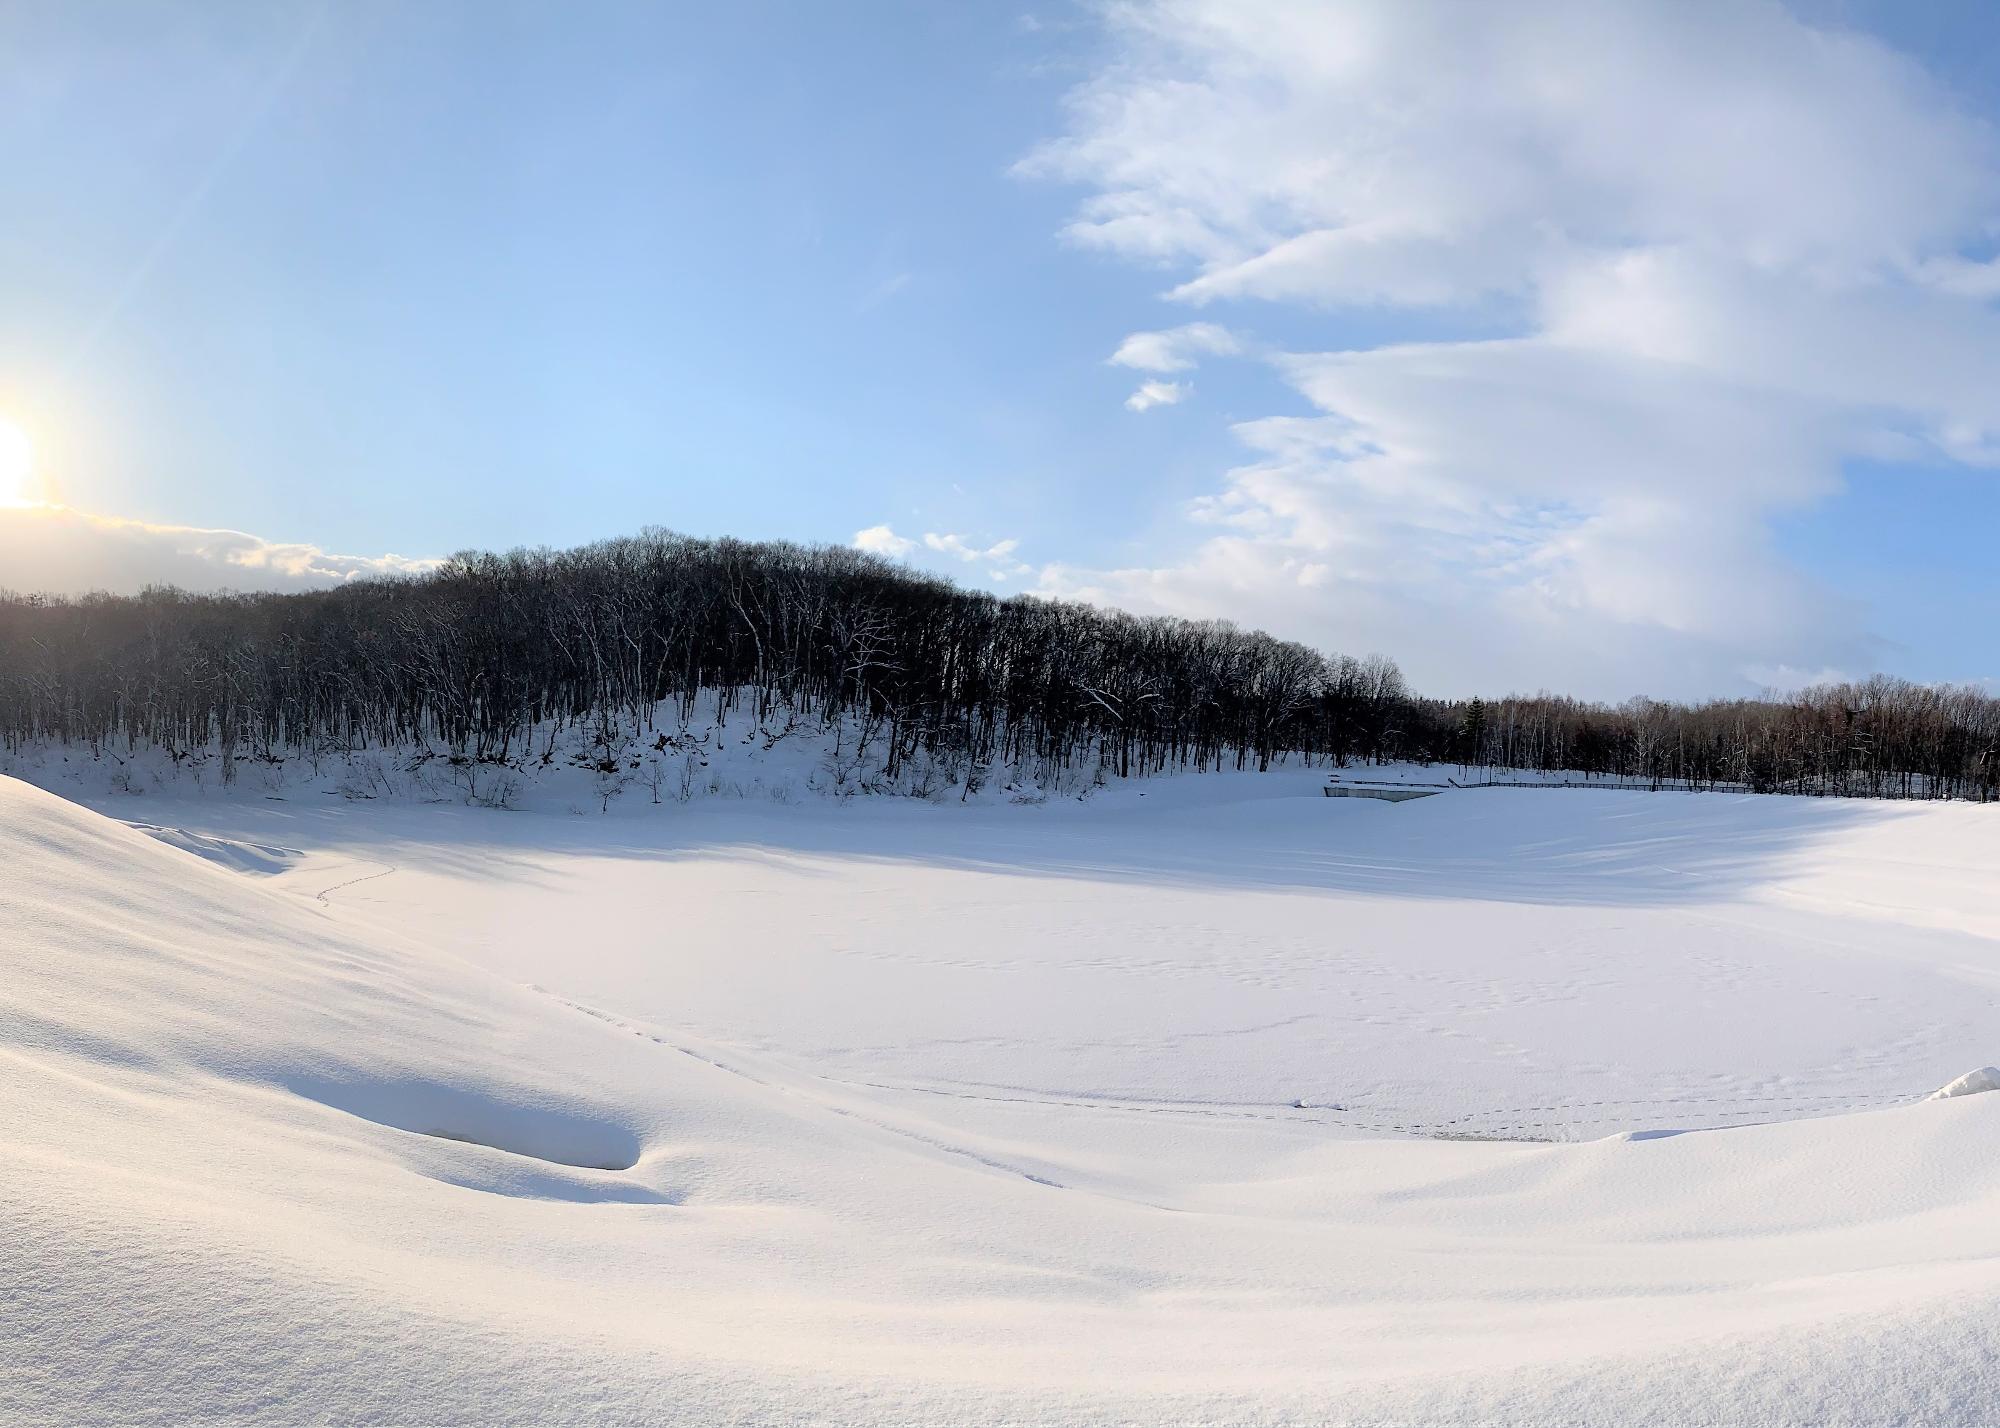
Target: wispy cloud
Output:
[
  {"x": 1176, "y": 349},
  {"x": 61, "y": 550},
  {"x": 884, "y": 290},
  {"x": 961, "y": 549},
  {"x": 1724, "y": 280},
  {"x": 999, "y": 558},
  {"x": 1157, "y": 394}
]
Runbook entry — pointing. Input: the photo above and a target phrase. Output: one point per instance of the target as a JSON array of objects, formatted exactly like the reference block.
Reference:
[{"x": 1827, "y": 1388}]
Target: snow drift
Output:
[{"x": 1972, "y": 1083}]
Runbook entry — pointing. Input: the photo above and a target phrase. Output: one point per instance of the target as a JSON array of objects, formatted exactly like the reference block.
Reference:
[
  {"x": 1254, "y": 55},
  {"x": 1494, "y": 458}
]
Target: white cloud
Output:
[
  {"x": 1175, "y": 348},
  {"x": 958, "y": 546},
  {"x": 1732, "y": 250},
  {"x": 61, "y": 550},
  {"x": 882, "y": 291},
  {"x": 1157, "y": 394},
  {"x": 999, "y": 557},
  {"x": 881, "y": 540}
]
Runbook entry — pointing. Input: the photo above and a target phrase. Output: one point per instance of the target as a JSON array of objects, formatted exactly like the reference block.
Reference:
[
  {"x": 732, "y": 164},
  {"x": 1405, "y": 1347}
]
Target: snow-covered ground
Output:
[{"x": 1203, "y": 1099}]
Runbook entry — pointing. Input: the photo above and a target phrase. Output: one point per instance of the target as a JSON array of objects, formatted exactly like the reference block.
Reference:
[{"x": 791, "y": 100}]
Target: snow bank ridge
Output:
[
  {"x": 1986, "y": 1078},
  {"x": 228, "y": 852}
]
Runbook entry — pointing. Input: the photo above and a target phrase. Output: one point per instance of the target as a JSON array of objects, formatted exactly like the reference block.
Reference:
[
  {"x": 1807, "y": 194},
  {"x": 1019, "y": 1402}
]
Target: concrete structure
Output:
[{"x": 1387, "y": 792}]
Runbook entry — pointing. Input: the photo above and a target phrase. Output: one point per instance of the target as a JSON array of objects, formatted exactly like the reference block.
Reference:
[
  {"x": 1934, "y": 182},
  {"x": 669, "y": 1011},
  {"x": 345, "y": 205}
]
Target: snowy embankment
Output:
[
  {"x": 621, "y": 764},
  {"x": 1085, "y": 1113},
  {"x": 668, "y": 761}
]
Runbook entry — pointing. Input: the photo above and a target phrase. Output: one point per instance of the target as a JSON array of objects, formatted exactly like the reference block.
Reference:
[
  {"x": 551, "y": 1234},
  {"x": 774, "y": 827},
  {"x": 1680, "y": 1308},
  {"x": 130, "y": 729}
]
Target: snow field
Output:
[{"x": 1142, "y": 1109}]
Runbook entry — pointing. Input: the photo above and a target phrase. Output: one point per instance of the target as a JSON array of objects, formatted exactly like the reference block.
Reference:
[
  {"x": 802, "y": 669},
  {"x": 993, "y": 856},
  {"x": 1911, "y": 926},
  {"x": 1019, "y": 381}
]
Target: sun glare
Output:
[{"x": 17, "y": 465}]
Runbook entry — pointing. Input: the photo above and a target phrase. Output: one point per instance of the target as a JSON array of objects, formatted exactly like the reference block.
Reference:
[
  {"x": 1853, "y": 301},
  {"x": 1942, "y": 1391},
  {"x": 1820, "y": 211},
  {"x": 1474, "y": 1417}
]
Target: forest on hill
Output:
[{"x": 486, "y": 659}]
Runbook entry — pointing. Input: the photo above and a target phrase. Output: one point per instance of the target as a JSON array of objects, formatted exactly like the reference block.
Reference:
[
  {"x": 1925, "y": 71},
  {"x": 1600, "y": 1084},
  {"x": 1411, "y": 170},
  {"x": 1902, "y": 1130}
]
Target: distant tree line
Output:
[
  {"x": 1877, "y": 738},
  {"x": 485, "y": 659}
]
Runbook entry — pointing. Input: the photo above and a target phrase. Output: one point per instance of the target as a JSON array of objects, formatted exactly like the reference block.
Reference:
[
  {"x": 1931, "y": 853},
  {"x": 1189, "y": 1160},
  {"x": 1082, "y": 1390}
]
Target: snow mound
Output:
[
  {"x": 1972, "y": 1083},
  {"x": 227, "y": 852}
]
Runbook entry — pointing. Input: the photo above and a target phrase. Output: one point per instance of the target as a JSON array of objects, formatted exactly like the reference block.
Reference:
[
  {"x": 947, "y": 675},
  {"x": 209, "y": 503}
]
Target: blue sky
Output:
[
  {"x": 483, "y": 275},
  {"x": 380, "y": 277}
]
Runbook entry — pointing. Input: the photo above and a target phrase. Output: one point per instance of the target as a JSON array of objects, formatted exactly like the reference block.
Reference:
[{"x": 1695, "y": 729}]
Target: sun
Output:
[{"x": 17, "y": 465}]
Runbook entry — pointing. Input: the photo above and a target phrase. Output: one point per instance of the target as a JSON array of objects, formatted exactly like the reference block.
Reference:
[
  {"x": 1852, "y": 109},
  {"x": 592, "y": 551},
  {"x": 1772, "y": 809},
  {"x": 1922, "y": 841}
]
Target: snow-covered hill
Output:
[
  {"x": 673, "y": 758},
  {"x": 1144, "y": 1109}
]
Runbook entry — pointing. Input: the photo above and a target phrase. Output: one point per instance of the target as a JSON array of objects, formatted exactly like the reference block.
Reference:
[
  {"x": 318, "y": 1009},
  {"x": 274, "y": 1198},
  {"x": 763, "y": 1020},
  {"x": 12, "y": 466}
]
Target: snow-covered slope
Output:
[
  {"x": 628, "y": 766},
  {"x": 290, "y": 1137}
]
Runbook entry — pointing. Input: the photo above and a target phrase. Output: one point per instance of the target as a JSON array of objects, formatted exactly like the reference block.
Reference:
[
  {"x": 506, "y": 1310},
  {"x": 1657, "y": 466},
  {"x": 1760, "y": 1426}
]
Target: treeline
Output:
[
  {"x": 491, "y": 652},
  {"x": 487, "y": 659},
  {"x": 1878, "y": 738}
]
